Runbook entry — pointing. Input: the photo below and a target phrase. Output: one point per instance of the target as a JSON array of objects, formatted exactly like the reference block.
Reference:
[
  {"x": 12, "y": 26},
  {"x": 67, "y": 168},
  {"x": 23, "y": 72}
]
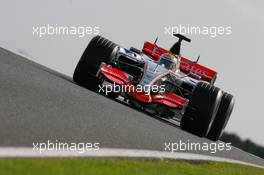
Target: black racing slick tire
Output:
[
  {"x": 222, "y": 117},
  {"x": 201, "y": 109},
  {"x": 98, "y": 50}
]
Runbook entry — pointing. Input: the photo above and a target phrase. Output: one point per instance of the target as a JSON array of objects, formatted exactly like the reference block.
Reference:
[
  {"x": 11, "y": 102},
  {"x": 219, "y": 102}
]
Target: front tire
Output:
[
  {"x": 222, "y": 117},
  {"x": 98, "y": 50},
  {"x": 201, "y": 109}
]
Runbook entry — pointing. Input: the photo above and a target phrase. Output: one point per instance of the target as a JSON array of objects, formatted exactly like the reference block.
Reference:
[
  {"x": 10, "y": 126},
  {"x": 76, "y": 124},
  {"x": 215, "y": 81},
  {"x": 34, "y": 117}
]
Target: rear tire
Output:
[
  {"x": 201, "y": 109},
  {"x": 222, "y": 117},
  {"x": 98, "y": 50}
]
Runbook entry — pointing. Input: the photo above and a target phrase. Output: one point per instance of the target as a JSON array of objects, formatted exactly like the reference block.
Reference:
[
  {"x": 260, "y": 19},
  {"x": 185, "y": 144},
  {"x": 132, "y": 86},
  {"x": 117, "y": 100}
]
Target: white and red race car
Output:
[{"x": 158, "y": 81}]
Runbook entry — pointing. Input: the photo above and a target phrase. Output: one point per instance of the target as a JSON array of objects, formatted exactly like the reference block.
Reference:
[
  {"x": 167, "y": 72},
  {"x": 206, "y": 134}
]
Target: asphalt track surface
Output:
[{"x": 38, "y": 104}]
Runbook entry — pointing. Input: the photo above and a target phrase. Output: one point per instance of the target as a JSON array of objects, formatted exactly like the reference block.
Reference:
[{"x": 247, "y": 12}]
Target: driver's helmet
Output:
[{"x": 169, "y": 61}]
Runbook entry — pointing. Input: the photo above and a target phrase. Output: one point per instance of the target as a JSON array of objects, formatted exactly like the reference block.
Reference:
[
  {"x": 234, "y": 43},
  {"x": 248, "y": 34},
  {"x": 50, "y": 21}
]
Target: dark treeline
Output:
[{"x": 246, "y": 145}]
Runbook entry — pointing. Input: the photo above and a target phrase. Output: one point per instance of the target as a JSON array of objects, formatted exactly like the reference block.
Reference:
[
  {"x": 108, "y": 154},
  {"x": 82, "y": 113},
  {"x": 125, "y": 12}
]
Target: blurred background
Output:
[{"x": 236, "y": 56}]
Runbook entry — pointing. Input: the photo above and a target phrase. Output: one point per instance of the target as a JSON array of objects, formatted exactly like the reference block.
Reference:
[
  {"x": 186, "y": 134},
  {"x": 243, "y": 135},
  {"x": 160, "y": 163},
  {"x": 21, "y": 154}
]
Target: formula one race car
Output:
[{"x": 158, "y": 81}]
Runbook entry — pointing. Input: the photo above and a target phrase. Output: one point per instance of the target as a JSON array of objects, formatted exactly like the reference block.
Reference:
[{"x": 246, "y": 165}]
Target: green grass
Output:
[{"x": 74, "y": 166}]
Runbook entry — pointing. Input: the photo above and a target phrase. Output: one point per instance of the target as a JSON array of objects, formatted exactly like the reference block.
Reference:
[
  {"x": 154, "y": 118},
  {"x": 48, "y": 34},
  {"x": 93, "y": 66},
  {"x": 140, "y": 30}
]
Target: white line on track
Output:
[{"x": 27, "y": 152}]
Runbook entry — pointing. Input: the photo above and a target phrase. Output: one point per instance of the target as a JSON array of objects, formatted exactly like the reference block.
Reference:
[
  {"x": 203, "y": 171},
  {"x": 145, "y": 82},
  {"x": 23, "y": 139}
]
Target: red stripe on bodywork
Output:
[{"x": 187, "y": 66}]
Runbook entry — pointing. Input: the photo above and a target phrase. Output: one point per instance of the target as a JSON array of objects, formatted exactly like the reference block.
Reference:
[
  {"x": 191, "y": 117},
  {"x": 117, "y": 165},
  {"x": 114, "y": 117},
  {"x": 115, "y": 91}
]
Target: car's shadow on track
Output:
[{"x": 148, "y": 114}]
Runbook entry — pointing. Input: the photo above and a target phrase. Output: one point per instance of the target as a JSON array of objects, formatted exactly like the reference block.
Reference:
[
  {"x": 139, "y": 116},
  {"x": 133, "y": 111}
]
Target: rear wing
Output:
[{"x": 186, "y": 66}]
